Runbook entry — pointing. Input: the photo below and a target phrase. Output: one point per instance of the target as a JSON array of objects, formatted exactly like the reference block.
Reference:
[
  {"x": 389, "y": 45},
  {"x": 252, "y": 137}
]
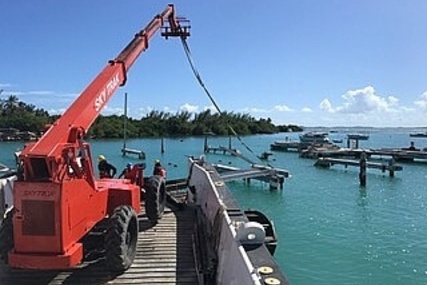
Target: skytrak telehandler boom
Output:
[{"x": 57, "y": 199}]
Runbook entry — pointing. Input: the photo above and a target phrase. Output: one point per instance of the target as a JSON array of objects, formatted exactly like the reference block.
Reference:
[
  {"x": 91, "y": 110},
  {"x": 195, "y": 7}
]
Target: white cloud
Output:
[
  {"x": 5, "y": 85},
  {"x": 16, "y": 93},
  {"x": 257, "y": 110},
  {"x": 366, "y": 100},
  {"x": 393, "y": 101},
  {"x": 252, "y": 110},
  {"x": 362, "y": 101},
  {"x": 277, "y": 108},
  {"x": 325, "y": 105},
  {"x": 146, "y": 109},
  {"x": 167, "y": 109},
  {"x": 107, "y": 111},
  {"x": 306, "y": 110},
  {"x": 189, "y": 108},
  {"x": 422, "y": 101},
  {"x": 56, "y": 111},
  {"x": 41, "y": 92},
  {"x": 282, "y": 108}
]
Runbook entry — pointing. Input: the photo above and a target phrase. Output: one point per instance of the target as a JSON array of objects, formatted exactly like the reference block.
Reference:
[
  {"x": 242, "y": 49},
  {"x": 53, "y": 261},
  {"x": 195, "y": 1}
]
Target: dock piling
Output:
[{"x": 362, "y": 171}]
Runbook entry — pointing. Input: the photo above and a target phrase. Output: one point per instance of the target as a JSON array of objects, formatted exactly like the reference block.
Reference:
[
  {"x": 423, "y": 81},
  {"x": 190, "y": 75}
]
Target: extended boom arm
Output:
[{"x": 70, "y": 128}]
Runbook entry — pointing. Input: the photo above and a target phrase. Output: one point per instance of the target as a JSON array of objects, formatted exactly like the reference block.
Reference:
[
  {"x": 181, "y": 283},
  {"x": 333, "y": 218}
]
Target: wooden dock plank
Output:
[{"x": 164, "y": 256}]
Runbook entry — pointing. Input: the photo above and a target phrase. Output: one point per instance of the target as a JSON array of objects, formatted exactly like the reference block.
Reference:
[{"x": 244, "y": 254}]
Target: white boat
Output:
[
  {"x": 305, "y": 140},
  {"x": 315, "y": 138},
  {"x": 418, "y": 135}
]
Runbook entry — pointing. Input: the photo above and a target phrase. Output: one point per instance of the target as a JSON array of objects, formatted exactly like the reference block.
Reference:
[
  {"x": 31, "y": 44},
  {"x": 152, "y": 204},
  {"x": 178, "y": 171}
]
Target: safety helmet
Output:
[
  {"x": 129, "y": 165},
  {"x": 101, "y": 158}
]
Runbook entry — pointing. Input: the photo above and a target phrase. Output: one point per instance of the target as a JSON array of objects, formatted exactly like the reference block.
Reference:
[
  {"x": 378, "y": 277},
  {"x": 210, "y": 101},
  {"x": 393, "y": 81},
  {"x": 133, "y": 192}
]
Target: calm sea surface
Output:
[{"x": 330, "y": 230}]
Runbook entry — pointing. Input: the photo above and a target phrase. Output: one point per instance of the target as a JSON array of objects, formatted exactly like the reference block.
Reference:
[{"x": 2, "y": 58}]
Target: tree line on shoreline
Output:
[{"x": 27, "y": 117}]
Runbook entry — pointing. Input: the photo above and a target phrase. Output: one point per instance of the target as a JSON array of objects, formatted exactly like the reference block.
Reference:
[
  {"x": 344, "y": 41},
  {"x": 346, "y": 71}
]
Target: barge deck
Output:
[{"x": 164, "y": 256}]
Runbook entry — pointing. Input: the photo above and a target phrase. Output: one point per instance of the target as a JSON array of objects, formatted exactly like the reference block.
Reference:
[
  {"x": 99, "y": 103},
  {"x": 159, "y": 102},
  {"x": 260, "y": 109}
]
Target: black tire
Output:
[
  {"x": 155, "y": 197},
  {"x": 6, "y": 236},
  {"x": 121, "y": 239}
]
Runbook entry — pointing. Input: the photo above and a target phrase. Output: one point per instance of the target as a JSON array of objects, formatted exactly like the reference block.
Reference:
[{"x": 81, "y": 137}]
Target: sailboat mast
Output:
[{"x": 125, "y": 121}]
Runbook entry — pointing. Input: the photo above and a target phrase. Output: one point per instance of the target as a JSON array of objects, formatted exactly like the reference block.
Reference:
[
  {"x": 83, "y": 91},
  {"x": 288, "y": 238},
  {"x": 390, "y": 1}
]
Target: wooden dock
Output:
[
  {"x": 274, "y": 176},
  {"x": 328, "y": 162},
  {"x": 164, "y": 256},
  {"x": 221, "y": 149},
  {"x": 287, "y": 146},
  {"x": 398, "y": 154}
]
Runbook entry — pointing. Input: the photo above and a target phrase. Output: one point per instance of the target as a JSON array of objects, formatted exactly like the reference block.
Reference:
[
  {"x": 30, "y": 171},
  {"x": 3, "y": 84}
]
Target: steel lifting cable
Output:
[{"x": 199, "y": 79}]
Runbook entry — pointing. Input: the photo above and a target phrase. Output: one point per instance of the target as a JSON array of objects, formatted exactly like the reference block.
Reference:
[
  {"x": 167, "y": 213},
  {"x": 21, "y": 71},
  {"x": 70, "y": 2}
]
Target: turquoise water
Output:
[{"x": 330, "y": 230}]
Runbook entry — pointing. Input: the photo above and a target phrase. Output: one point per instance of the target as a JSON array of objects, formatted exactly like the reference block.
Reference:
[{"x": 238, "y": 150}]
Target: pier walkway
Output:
[
  {"x": 274, "y": 176},
  {"x": 328, "y": 162},
  {"x": 398, "y": 154},
  {"x": 164, "y": 256}
]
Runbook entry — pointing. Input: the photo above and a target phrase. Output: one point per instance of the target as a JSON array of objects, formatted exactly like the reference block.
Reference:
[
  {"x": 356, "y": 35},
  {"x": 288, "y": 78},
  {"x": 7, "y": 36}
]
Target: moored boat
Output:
[
  {"x": 315, "y": 138},
  {"x": 418, "y": 135},
  {"x": 305, "y": 140}
]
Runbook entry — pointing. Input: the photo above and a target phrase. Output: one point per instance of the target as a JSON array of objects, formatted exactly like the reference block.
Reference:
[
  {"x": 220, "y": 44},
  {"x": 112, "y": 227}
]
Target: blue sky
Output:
[{"x": 311, "y": 63}]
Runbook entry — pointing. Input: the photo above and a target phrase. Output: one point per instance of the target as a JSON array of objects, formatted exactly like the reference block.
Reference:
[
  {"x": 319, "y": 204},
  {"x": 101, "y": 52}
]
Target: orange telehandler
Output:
[{"x": 58, "y": 202}]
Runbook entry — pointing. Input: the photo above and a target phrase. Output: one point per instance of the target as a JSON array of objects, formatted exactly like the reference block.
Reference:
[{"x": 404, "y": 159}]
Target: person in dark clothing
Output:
[
  {"x": 126, "y": 172},
  {"x": 106, "y": 170},
  {"x": 159, "y": 169}
]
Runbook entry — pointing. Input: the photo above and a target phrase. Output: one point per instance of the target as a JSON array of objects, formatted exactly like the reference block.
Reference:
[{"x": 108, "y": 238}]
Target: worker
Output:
[
  {"x": 127, "y": 171},
  {"x": 412, "y": 147},
  {"x": 106, "y": 169},
  {"x": 159, "y": 169}
]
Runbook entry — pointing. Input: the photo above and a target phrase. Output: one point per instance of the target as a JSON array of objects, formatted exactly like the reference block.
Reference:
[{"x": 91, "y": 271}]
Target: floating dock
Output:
[{"x": 274, "y": 176}]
